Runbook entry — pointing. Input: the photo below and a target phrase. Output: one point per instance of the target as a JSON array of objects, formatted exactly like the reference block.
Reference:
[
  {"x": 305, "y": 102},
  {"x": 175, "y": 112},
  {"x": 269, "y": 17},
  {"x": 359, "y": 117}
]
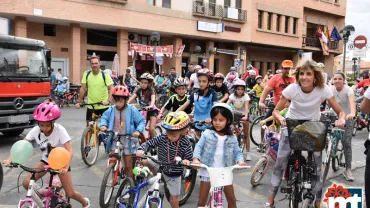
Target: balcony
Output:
[
  {"x": 217, "y": 11},
  {"x": 315, "y": 42},
  {"x": 116, "y": 1}
]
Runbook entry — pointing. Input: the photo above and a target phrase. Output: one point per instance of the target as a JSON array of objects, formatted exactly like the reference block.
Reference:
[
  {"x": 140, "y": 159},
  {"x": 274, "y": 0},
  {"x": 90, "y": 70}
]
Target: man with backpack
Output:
[{"x": 99, "y": 87}]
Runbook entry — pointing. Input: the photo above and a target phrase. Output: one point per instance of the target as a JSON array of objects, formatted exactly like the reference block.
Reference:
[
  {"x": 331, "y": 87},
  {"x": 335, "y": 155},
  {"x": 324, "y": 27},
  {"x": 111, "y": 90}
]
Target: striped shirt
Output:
[{"x": 181, "y": 148}]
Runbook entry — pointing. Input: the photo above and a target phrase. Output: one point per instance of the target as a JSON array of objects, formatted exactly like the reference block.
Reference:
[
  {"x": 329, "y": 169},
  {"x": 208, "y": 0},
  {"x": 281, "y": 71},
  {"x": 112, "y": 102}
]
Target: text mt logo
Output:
[{"x": 338, "y": 196}]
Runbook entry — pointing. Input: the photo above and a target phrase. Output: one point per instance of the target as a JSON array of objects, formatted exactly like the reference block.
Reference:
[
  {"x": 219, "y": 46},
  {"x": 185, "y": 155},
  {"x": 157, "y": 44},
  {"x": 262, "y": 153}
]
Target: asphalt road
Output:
[{"x": 87, "y": 180}]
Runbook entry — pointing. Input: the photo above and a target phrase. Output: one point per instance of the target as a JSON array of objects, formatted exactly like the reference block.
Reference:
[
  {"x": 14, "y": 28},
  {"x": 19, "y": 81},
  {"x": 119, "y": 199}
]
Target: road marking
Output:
[{"x": 248, "y": 192}]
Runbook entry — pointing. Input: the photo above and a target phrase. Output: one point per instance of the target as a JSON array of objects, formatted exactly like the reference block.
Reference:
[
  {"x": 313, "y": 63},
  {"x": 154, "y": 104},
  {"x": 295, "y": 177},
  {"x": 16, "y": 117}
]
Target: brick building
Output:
[{"x": 260, "y": 32}]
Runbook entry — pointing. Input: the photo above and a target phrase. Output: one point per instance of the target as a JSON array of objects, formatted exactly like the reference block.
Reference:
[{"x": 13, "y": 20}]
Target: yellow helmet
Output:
[{"x": 176, "y": 121}]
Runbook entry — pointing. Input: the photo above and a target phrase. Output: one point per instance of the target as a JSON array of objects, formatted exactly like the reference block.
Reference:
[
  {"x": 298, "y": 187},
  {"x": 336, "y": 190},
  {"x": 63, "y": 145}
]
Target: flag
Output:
[
  {"x": 335, "y": 35},
  {"x": 319, "y": 31},
  {"x": 327, "y": 32},
  {"x": 323, "y": 37}
]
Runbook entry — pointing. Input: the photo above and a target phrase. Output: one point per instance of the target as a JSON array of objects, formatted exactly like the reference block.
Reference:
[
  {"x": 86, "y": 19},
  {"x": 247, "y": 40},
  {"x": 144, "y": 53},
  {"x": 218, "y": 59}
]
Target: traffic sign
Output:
[
  {"x": 236, "y": 62},
  {"x": 159, "y": 60},
  {"x": 204, "y": 62},
  {"x": 360, "y": 41},
  {"x": 359, "y": 53}
]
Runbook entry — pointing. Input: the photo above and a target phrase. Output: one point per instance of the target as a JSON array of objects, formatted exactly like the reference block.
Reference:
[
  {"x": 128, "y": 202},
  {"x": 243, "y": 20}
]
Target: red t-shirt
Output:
[
  {"x": 364, "y": 83},
  {"x": 278, "y": 85}
]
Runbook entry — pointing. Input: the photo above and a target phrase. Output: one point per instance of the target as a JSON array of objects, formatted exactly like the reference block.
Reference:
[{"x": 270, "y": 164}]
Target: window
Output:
[
  {"x": 260, "y": 17},
  {"x": 286, "y": 24},
  {"x": 269, "y": 20},
  {"x": 295, "y": 20},
  {"x": 227, "y": 3},
  {"x": 166, "y": 4},
  {"x": 150, "y": 2},
  {"x": 49, "y": 30},
  {"x": 278, "y": 18},
  {"x": 238, "y": 4},
  {"x": 102, "y": 38}
]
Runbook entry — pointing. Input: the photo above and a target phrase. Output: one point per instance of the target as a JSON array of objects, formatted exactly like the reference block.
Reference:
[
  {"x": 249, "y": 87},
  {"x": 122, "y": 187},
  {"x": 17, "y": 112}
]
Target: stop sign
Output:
[{"x": 360, "y": 41}]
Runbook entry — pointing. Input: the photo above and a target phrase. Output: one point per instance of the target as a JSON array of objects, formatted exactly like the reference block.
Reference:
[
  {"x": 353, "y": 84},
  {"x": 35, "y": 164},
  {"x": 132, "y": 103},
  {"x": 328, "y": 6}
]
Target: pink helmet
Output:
[
  {"x": 239, "y": 82},
  {"x": 231, "y": 77},
  {"x": 47, "y": 111}
]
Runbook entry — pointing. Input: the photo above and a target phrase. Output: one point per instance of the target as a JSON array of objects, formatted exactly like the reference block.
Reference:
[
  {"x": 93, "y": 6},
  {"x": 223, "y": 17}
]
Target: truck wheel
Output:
[{"x": 13, "y": 133}]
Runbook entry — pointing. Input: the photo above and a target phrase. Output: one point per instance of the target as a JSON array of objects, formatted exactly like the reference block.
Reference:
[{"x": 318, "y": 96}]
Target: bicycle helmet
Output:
[
  {"x": 180, "y": 82},
  {"x": 65, "y": 78},
  {"x": 147, "y": 76},
  {"x": 233, "y": 68},
  {"x": 220, "y": 76},
  {"x": 259, "y": 76},
  {"x": 176, "y": 121},
  {"x": 225, "y": 106},
  {"x": 239, "y": 82},
  {"x": 120, "y": 91},
  {"x": 197, "y": 67},
  {"x": 320, "y": 65},
  {"x": 205, "y": 72},
  {"x": 252, "y": 73},
  {"x": 47, "y": 111},
  {"x": 231, "y": 78}
]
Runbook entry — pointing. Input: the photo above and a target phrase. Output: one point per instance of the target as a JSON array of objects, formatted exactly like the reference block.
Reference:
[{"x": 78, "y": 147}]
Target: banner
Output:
[
  {"x": 180, "y": 50},
  {"x": 324, "y": 46},
  {"x": 335, "y": 35},
  {"x": 145, "y": 49},
  {"x": 319, "y": 31}
]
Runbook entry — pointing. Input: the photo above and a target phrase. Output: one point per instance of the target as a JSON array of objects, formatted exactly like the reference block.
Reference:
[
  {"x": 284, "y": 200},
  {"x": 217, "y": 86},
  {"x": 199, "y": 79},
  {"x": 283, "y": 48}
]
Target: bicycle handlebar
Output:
[
  {"x": 116, "y": 134},
  {"x": 200, "y": 123},
  {"x": 157, "y": 161},
  {"x": 207, "y": 167},
  {"x": 32, "y": 170},
  {"x": 91, "y": 104}
]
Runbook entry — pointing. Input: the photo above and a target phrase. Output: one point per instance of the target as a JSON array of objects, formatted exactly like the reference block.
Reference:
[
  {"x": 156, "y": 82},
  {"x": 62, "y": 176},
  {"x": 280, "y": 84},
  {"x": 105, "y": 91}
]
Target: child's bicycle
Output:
[
  {"x": 269, "y": 147},
  {"x": 219, "y": 178},
  {"x": 238, "y": 129},
  {"x": 53, "y": 196},
  {"x": 128, "y": 194},
  {"x": 114, "y": 171},
  {"x": 70, "y": 98}
]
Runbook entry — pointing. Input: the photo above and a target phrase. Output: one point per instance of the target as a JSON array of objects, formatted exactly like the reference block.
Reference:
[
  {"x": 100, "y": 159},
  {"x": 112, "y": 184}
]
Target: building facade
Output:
[{"x": 258, "y": 32}]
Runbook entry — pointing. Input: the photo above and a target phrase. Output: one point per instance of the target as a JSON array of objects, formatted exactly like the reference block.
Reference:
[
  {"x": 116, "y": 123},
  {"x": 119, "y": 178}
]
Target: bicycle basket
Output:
[{"x": 306, "y": 135}]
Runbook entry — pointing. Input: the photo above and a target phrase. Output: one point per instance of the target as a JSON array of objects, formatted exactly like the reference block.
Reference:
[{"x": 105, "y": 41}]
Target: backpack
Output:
[{"x": 89, "y": 72}]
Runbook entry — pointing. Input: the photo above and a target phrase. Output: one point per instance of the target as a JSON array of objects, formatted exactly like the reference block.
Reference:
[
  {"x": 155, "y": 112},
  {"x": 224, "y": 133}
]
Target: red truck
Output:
[{"x": 24, "y": 82}]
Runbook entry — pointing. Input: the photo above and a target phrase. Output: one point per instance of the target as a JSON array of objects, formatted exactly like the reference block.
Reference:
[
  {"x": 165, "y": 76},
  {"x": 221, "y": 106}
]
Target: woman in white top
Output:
[
  {"x": 305, "y": 96},
  {"x": 346, "y": 99}
]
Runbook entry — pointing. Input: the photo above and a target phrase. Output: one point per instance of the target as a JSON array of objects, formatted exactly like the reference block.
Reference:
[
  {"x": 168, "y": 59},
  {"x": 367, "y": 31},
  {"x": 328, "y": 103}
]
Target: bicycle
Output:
[
  {"x": 219, "y": 178},
  {"x": 1, "y": 175},
  {"x": 128, "y": 194},
  {"x": 300, "y": 170},
  {"x": 238, "y": 129},
  {"x": 334, "y": 151},
  {"x": 115, "y": 168},
  {"x": 269, "y": 147},
  {"x": 87, "y": 148},
  {"x": 53, "y": 196},
  {"x": 254, "y": 109}
]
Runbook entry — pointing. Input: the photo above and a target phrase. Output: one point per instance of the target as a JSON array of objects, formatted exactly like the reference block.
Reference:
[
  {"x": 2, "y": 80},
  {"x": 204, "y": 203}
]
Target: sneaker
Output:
[
  {"x": 88, "y": 203},
  {"x": 268, "y": 205},
  {"x": 348, "y": 175},
  {"x": 248, "y": 157}
]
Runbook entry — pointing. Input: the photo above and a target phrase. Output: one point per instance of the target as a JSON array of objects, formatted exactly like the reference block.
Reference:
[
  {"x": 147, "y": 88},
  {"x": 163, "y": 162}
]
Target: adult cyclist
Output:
[{"x": 99, "y": 87}]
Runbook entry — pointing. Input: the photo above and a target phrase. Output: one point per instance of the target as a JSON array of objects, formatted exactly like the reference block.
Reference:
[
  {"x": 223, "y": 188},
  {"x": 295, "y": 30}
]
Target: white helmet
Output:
[
  {"x": 65, "y": 78},
  {"x": 225, "y": 106},
  {"x": 147, "y": 76},
  {"x": 252, "y": 73},
  {"x": 197, "y": 67},
  {"x": 180, "y": 82}
]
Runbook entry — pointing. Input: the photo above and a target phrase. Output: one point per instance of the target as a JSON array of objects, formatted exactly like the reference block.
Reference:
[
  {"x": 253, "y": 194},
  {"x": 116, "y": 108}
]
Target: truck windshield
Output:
[{"x": 22, "y": 63}]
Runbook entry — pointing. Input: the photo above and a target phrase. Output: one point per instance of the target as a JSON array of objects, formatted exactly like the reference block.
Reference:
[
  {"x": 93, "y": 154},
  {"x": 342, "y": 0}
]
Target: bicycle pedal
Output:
[{"x": 286, "y": 189}]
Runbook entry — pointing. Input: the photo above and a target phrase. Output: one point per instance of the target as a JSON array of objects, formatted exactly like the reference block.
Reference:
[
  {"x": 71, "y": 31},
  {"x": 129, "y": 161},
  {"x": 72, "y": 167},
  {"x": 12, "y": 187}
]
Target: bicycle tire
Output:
[
  {"x": 307, "y": 203},
  {"x": 83, "y": 151},
  {"x": 262, "y": 163},
  {"x": 294, "y": 201},
  {"x": 53, "y": 202},
  {"x": 153, "y": 204},
  {"x": 253, "y": 138},
  {"x": 109, "y": 172},
  {"x": 354, "y": 131},
  {"x": 130, "y": 182},
  {"x": 162, "y": 100},
  {"x": 241, "y": 143},
  {"x": 191, "y": 186},
  {"x": 368, "y": 125},
  {"x": 253, "y": 112},
  {"x": 158, "y": 130},
  {"x": 1, "y": 175},
  {"x": 326, "y": 167}
]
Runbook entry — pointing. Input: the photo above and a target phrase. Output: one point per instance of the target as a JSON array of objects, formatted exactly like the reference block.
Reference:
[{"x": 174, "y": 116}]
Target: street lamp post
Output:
[
  {"x": 347, "y": 31},
  {"x": 354, "y": 68},
  {"x": 155, "y": 37}
]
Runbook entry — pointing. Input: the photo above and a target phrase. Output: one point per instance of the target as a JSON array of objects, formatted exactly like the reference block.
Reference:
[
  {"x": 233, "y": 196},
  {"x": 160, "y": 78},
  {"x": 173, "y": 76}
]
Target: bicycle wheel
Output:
[
  {"x": 128, "y": 199},
  {"x": 255, "y": 131},
  {"x": 307, "y": 203},
  {"x": 326, "y": 165},
  {"x": 1, "y": 176},
  {"x": 153, "y": 204},
  {"x": 354, "y": 130},
  {"x": 187, "y": 186},
  {"x": 253, "y": 112},
  {"x": 241, "y": 143},
  {"x": 89, "y": 147},
  {"x": 107, "y": 186},
  {"x": 158, "y": 130},
  {"x": 162, "y": 100},
  {"x": 259, "y": 171}
]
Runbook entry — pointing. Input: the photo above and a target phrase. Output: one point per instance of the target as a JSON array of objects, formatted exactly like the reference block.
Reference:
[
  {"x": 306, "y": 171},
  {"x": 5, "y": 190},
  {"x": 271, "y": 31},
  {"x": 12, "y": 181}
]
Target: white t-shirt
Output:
[
  {"x": 57, "y": 138},
  {"x": 239, "y": 103},
  {"x": 306, "y": 106},
  {"x": 342, "y": 97},
  {"x": 218, "y": 160},
  {"x": 195, "y": 80}
]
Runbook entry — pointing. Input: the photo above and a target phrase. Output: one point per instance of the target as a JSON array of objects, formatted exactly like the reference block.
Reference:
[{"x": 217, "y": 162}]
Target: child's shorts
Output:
[
  {"x": 173, "y": 183},
  {"x": 125, "y": 145}
]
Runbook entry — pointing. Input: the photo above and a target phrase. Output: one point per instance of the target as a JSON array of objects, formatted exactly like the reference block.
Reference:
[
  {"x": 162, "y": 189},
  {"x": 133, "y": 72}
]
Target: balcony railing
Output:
[
  {"x": 218, "y": 11},
  {"x": 315, "y": 42},
  {"x": 116, "y": 1}
]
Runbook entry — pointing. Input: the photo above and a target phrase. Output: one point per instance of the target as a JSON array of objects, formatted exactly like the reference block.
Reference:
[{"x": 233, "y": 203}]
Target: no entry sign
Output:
[{"x": 360, "y": 41}]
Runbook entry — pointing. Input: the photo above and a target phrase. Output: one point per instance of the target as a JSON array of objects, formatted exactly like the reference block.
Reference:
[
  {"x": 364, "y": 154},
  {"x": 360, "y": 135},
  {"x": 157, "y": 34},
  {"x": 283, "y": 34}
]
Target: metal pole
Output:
[
  {"x": 154, "y": 55},
  {"x": 344, "y": 55}
]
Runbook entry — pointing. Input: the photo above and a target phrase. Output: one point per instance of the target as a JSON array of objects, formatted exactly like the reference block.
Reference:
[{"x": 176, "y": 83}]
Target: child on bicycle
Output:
[
  {"x": 146, "y": 95},
  {"x": 178, "y": 99},
  {"x": 171, "y": 145},
  {"x": 48, "y": 133},
  {"x": 124, "y": 119},
  {"x": 218, "y": 147},
  {"x": 221, "y": 88},
  {"x": 258, "y": 88},
  {"x": 202, "y": 100},
  {"x": 240, "y": 101},
  {"x": 60, "y": 89}
]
